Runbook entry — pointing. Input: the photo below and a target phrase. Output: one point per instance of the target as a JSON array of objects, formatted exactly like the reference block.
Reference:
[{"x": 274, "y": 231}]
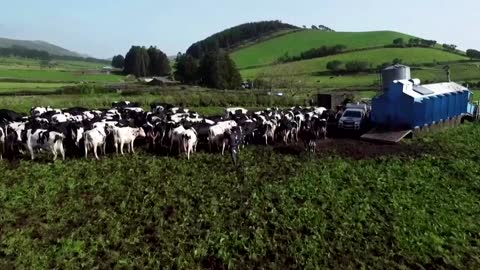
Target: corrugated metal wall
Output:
[{"x": 395, "y": 109}]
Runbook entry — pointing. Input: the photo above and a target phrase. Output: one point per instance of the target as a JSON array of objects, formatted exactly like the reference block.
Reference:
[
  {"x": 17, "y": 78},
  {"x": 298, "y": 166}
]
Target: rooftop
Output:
[{"x": 429, "y": 90}]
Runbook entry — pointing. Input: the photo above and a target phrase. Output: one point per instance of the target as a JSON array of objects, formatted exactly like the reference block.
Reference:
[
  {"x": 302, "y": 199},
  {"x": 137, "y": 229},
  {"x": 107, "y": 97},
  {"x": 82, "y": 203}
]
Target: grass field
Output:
[
  {"x": 60, "y": 76},
  {"x": 267, "y": 52},
  {"x": 414, "y": 208},
  {"x": 24, "y": 63},
  {"x": 15, "y": 86},
  {"x": 375, "y": 57}
]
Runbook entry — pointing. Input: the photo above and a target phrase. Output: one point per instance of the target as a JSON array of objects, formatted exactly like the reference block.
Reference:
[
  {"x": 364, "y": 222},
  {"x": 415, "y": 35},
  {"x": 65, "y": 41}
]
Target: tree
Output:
[
  {"x": 356, "y": 66},
  {"x": 335, "y": 66},
  {"x": 159, "y": 63},
  {"x": 450, "y": 47},
  {"x": 399, "y": 42},
  {"x": 314, "y": 27},
  {"x": 217, "y": 70},
  {"x": 397, "y": 61},
  {"x": 473, "y": 54},
  {"x": 137, "y": 62},
  {"x": 186, "y": 69},
  {"x": 118, "y": 61}
]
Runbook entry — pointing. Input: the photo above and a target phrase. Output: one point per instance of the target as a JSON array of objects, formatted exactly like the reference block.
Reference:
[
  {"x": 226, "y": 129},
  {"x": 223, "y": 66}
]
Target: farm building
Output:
[{"x": 408, "y": 104}]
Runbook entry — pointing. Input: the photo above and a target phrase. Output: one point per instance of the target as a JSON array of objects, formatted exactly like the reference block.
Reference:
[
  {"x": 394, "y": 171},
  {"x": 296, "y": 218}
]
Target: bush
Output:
[
  {"x": 335, "y": 66},
  {"x": 357, "y": 66}
]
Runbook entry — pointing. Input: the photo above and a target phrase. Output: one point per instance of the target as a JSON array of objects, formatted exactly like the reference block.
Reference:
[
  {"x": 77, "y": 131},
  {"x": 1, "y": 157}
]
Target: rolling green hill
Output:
[
  {"x": 375, "y": 57},
  {"x": 38, "y": 45},
  {"x": 265, "y": 53}
]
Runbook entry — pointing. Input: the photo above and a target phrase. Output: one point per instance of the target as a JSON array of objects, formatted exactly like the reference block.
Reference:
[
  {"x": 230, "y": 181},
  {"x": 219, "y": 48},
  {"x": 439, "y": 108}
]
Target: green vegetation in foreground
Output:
[
  {"x": 267, "y": 52},
  {"x": 280, "y": 212},
  {"x": 60, "y": 76}
]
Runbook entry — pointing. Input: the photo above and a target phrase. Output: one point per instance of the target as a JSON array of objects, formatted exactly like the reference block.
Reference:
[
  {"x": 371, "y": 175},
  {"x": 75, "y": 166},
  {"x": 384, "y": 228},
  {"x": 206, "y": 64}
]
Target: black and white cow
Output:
[{"x": 42, "y": 139}]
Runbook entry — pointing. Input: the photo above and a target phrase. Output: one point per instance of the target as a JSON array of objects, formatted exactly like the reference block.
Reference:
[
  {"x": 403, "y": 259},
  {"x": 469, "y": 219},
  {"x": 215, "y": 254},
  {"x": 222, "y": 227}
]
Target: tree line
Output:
[
  {"x": 143, "y": 62},
  {"x": 413, "y": 42},
  {"x": 321, "y": 27},
  {"x": 339, "y": 67},
  {"x": 313, "y": 53},
  {"x": 215, "y": 69},
  {"x": 234, "y": 36},
  {"x": 19, "y": 51}
]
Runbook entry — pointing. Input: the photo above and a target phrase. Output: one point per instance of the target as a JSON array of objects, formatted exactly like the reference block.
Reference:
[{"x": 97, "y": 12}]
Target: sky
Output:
[{"x": 103, "y": 28}]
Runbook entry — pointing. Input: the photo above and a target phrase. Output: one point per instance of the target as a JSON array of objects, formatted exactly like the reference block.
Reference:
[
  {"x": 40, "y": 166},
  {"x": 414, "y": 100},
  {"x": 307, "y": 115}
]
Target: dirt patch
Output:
[{"x": 356, "y": 149}]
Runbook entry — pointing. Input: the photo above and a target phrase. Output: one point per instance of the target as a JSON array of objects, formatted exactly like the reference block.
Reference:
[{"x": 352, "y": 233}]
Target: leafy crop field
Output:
[
  {"x": 265, "y": 53},
  {"x": 353, "y": 206}
]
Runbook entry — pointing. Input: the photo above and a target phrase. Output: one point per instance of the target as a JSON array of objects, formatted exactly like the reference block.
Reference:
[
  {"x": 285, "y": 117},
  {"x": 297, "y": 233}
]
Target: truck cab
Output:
[{"x": 354, "y": 117}]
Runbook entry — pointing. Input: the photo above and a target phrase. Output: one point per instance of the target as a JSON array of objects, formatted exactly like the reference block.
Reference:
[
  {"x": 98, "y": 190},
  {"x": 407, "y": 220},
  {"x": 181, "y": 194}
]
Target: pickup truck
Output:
[{"x": 354, "y": 117}]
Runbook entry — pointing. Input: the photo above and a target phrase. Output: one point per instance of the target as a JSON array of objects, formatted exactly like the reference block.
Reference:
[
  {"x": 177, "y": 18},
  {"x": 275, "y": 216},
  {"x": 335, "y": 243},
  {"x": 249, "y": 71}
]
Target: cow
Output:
[
  {"x": 216, "y": 135},
  {"x": 7, "y": 116},
  {"x": 227, "y": 138},
  {"x": 269, "y": 128},
  {"x": 229, "y": 112},
  {"x": 308, "y": 136},
  {"x": 46, "y": 140},
  {"x": 3, "y": 137},
  {"x": 126, "y": 135},
  {"x": 94, "y": 139},
  {"x": 158, "y": 107},
  {"x": 176, "y": 136},
  {"x": 190, "y": 141},
  {"x": 60, "y": 118}
]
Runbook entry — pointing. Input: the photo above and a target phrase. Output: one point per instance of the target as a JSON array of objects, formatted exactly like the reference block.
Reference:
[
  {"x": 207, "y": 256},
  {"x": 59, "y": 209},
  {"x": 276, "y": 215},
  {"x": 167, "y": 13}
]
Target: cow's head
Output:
[{"x": 141, "y": 133}]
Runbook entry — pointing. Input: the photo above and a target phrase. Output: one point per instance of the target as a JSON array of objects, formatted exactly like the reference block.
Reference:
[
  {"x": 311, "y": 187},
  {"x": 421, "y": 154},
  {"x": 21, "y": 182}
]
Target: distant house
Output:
[
  {"x": 158, "y": 81},
  {"x": 107, "y": 69}
]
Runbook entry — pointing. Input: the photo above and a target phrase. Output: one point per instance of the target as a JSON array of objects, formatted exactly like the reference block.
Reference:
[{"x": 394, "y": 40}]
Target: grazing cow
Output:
[
  {"x": 126, "y": 135},
  {"x": 94, "y": 139},
  {"x": 190, "y": 141},
  {"x": 46, "y": 140}
]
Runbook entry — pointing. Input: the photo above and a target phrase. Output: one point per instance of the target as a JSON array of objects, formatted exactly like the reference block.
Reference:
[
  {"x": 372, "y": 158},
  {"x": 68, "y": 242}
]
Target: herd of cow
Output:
[{"x": 78, "y": 131}]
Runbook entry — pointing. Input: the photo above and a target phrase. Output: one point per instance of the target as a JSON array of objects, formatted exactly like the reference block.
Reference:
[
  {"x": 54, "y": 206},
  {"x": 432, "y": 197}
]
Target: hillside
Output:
[
  {"x": 375, "y": 57},
  {"x": 238, "y": 35},
  {"x": 38, "y": 45},
  {"x": 265, "y": 53}
]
